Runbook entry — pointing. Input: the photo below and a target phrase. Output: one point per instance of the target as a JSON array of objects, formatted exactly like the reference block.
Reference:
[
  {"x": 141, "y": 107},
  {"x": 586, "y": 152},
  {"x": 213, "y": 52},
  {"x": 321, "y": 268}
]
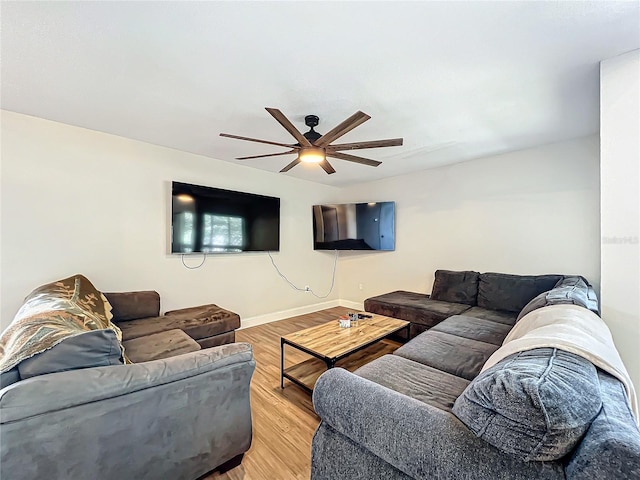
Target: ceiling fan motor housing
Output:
[{"x": 311, "y": 121}]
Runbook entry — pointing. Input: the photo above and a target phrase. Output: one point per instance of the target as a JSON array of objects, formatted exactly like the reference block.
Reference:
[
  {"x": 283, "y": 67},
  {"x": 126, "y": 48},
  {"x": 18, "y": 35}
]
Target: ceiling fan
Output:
[{"x": 313, "y": 147}]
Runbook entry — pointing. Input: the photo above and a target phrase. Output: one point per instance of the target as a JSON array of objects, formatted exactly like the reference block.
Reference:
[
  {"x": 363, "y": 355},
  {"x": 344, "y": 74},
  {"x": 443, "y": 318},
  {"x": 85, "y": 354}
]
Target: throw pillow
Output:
[
  {"x": 456, "y": 287},
  {"x": 95, "y": 348},
  {"x": 570, "y": 290},
  {"x": 535, "y": 405}
]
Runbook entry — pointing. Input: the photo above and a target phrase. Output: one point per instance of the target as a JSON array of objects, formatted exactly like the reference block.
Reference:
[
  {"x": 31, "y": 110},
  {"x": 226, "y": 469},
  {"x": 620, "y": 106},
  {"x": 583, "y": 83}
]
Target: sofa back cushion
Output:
[
  {"x": 51, "y": 314},
  {"x": 95, "y": 348},
  {"x": 535, "y": 405},
  {"x": 502, "y": 291},
  {"x": 9, "y": 377},
  {"x": 456, "y": 287},
  {"x": 134, "y": 305}
]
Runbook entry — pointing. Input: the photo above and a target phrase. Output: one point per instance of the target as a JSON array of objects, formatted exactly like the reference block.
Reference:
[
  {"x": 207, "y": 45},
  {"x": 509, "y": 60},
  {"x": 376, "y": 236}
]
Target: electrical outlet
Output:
[
  {"x": 307, "y": 288},
  {"x": 360, "y": 286}
]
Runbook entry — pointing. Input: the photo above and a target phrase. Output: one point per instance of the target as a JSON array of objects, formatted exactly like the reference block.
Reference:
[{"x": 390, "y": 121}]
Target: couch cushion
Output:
[
  {"x": 573, "y": 290},
  {"x": 611, "y": 446},
  {"x": 501, "y": 291},
  {"x": 456, "y": 287},
  {"x": 96, "y": 348},
  {"x": 9, "y": 377},
  {"x": 413, "y": 307},
  {"x": 452, "y": 354},
  {"x": 569, "y": 290},
  {"x": 535, "y": 303},
  {"x": 474, "y": 329},
  {"x": 160, "y": 345},
  {"x": 536, "y": 404},
  {"x": 506, "y": 318},
  {"x": 415, "y": 380},
  {"x": 50, "y": 314},
  {"x": 132, "y": 305},
  {"x": 198, "y": 322}
]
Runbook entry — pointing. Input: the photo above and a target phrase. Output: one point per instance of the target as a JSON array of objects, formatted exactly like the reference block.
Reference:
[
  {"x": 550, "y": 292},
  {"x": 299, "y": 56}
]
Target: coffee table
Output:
[{"x": 330, "y": 343}]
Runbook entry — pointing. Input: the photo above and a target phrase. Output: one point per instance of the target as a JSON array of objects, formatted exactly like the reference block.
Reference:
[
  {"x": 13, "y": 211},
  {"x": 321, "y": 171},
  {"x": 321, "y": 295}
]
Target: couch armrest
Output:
[
  {"x": 416, "y": 438},
  {"x": 57, "y": 391}
]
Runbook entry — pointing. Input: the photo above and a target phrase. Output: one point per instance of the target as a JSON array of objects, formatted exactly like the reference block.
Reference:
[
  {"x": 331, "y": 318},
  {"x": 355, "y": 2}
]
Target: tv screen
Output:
[
  {"x": 354, "y": 226},
  {"x": 212, "y": 220}
]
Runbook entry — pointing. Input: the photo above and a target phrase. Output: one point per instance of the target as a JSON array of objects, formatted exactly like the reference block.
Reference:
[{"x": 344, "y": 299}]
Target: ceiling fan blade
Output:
[
  {"x": 326, "y": 166},
  {"x": 289, "y": 127},
  {"x": 349, "y": 124},
  {"x": 228, "y": 135},
  {"x": 291, "y": 165},
  {"x": 267, "y": 155},
  {"x": 353, "y": 158},
  {"x": 391, "y": 142}
]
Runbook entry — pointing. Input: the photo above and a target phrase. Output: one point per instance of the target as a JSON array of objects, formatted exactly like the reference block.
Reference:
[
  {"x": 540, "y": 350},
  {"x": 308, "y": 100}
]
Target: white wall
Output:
[
  {"x": 75, "y": 200},
  {"x": 620, "y": 204},
  {"x": 528, "y": 212},
  {"x": 79, "y": 201}
]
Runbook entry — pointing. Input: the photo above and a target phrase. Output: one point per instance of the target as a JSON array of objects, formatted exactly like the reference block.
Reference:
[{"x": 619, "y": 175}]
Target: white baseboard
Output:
[
  {"x": 349, "y": 304},
  {"x": 293, "y": 312}
]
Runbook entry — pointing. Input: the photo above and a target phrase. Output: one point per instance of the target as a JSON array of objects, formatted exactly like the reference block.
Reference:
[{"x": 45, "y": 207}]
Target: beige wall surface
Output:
[
  {"x": 620, "y": 204},
  {"x": 79, "y": 201},
  {"x": 75, "y": 200},
  {"x": 529, "y": 212}
]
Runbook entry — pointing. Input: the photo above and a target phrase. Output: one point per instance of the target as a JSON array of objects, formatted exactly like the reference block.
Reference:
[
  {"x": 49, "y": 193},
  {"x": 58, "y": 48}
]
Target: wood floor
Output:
[{"x": 284, "y": 419}]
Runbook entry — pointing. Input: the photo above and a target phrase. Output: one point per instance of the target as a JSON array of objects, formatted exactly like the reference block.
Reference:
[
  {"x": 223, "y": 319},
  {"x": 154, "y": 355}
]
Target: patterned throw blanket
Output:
[{"x": 52, "y": 313}]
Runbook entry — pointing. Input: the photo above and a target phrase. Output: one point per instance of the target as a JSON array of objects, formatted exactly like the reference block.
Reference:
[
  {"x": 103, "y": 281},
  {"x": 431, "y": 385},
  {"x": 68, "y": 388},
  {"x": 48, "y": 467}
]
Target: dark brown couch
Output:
[{"x": 152, "y": 336}]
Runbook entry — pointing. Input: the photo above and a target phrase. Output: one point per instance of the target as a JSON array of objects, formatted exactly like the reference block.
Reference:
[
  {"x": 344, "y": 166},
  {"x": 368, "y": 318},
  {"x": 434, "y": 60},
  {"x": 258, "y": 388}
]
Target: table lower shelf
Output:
[{"x": 306, "y": 373}]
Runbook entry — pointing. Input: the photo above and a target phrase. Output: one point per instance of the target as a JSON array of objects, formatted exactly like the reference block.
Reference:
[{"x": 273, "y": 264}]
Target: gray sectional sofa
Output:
[
  {"x": 426, "y": 412},
  {"x": 72, "y": 408}
]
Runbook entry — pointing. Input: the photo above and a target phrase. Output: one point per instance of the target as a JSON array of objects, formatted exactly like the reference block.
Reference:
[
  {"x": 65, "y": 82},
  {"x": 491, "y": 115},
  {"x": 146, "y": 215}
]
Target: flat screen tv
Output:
[
  {"x": 354, "y": 226},
  {"x": 212, "y": 220}
]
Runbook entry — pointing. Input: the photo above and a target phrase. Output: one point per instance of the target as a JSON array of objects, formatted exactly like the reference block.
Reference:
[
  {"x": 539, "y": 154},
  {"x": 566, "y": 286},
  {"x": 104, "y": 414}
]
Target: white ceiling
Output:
[{"x": 457, "y": 80}]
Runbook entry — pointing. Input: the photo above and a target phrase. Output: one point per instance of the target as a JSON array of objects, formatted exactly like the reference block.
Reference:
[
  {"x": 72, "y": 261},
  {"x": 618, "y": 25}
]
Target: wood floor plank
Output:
[{"x": 283, "y": 419}]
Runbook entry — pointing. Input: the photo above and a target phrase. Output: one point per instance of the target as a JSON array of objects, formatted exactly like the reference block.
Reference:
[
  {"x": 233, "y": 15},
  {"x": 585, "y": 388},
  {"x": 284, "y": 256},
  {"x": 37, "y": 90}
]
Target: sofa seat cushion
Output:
[
  {"x": 456, "y": 287},
  {"x": 474, "y": 329},
  {"x": 413, "y": 307},
  {"x": 160, "y": 345},
  {"x": 502, "y": 291},
  {"x": 506, "y": 318},
  {"x": 458, "y": 356},
  {"x": 415, "y": 380},
  {"x": 197, "y": 322},
  {"x": 536, "y": 405}
]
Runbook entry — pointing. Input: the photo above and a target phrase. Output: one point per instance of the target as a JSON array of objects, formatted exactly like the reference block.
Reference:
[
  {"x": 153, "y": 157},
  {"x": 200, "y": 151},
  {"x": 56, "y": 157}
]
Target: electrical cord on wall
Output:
[
  {"x": 204, "y": 258},
  {"x": 292, "y": 285}
]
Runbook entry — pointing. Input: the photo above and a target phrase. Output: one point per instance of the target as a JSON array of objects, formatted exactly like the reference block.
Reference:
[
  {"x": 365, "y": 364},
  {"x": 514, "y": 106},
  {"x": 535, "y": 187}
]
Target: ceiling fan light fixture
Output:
[{"x": 311, "y": 155}]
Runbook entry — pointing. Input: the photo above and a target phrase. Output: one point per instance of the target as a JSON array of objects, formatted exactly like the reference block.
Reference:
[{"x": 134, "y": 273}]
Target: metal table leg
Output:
[{"x": 281, "y": 363}]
